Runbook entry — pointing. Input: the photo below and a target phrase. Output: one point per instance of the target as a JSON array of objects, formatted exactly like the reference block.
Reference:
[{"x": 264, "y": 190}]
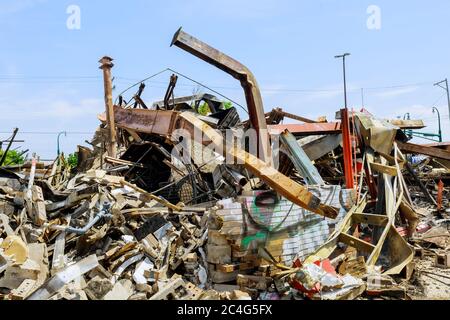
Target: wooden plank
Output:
[
  {"x": 371, "y": 219},
  {"x": 356, "y": 243},
  {"x": 228, "y": 268},
  {"x": 420, "y": 149},
  {"x": 378, "y": 167},
  {"x": 408, "y": 124}
]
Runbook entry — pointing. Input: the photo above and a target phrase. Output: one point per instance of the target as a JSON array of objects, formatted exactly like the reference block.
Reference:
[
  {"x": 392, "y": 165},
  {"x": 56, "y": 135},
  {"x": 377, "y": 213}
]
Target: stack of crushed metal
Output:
[{"x": 312, "y": 210}]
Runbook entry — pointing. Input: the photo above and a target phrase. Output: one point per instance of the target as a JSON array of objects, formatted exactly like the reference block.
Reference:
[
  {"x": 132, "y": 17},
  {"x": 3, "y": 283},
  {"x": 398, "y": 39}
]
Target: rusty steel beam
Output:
[
  {"x": 306, "y": 129},
  {"x": 240, "y": 72},
  {"x": 428, "y": 151}
]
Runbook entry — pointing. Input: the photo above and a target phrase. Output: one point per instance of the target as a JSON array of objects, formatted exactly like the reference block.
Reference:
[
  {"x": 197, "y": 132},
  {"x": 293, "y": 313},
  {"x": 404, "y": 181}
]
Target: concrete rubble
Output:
[{"x": 337, "y": 210}]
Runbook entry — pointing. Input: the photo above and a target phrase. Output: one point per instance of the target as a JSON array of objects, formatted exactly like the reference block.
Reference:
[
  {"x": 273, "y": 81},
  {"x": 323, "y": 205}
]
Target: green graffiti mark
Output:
[{"x": 260, "y": 237}]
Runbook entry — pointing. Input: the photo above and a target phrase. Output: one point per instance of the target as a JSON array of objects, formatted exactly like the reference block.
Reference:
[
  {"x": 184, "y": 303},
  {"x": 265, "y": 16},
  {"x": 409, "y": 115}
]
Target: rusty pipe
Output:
[
  {"x": 240, "y": 72},
  {"x": 106, "y": 65}
]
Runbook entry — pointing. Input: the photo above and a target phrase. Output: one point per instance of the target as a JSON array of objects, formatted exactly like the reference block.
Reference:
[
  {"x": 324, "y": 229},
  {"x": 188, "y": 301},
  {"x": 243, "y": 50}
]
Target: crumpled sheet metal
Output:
[{"x": 378, "y": 134}]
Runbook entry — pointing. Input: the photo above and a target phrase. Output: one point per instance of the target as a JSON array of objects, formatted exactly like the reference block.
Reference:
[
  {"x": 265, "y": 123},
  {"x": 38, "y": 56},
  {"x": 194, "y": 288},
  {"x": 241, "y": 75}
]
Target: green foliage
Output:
[
  {"x": 12, "y": 158},
  {"x": 72, "y": 160},
  {"x": 227, "y": 105},
  {"x": 203, "y": 109}
]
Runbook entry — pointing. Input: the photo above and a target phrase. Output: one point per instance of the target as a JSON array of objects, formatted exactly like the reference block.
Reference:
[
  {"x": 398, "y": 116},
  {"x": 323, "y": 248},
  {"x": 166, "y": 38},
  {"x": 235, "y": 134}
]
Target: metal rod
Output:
[
  {"x": 448, "y": 96},
  {"x": 9, "y": 146},
  {"x": 345, "y": 78}
]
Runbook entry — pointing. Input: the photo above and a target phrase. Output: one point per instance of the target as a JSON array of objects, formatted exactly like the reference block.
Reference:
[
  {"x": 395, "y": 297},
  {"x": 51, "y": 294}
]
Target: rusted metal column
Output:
[
  {"x": 347, "y": 147},
  {"x": 106, "y": 67},
  {"x": 240, "y": 72},
  {"x": 440, "y": 194}
]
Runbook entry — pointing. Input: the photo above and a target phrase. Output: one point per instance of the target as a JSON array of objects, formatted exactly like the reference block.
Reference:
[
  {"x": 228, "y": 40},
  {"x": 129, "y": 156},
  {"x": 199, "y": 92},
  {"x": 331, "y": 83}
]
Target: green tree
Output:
[
  {"x": 203, "y": 109},
  {"x": 72, "y": 160},
  {"x": 227, "y": 105},
  {"x": 13, "y": 157}
]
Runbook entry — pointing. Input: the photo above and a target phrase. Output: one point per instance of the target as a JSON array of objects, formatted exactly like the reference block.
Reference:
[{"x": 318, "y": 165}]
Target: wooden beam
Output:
[
  {"x": 371, "y": 219},
  {"x": 356, "y": 243},
  {"x": 408, "y": 124},
  {"x": 378, "y": 167},
  {"x": 428, "y": 151}
]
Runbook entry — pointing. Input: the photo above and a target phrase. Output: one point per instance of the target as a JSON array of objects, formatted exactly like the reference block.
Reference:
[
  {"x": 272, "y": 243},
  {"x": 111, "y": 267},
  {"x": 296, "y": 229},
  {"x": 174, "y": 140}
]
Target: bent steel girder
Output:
[{"x": 240, "y": 72}]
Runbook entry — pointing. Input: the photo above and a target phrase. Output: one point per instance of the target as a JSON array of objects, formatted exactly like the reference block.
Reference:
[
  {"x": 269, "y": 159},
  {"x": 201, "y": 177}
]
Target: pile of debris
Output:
[{"x": 183, "y": 200}]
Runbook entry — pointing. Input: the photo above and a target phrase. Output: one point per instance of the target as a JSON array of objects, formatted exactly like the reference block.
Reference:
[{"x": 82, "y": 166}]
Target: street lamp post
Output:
[
  {"x": 346, "y": 135},
  {"x": 57, "y": 141},
  {"x": 436, "y": 110},
  {"x": 345, "y": 80}
]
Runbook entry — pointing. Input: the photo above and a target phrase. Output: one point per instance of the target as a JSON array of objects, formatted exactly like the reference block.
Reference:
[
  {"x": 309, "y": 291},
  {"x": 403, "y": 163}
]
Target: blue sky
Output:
[{"x": 50, "y": 81}]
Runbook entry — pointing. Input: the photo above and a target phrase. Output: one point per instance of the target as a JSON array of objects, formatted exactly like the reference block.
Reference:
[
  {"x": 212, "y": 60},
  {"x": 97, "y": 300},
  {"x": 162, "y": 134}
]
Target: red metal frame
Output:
[{"x": 347, "y": 146}]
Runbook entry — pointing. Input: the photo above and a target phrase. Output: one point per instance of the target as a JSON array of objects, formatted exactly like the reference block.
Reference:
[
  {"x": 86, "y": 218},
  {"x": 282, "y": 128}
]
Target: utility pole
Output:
[
  {"x": 439, "y": 84},
  {"x": 106, "y": 66},
  {"x": 345, "y": 80}
]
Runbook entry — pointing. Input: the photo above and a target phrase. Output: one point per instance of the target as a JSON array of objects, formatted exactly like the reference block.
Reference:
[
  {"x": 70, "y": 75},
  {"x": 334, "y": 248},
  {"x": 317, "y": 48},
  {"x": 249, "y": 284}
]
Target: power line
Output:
[
  {"x": 263, "y": 89},
  {"x": 18, "y": 78}
]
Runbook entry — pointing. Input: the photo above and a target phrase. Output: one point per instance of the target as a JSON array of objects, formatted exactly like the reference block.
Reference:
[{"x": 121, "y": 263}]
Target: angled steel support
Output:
[{"x": 240, "y": 72}]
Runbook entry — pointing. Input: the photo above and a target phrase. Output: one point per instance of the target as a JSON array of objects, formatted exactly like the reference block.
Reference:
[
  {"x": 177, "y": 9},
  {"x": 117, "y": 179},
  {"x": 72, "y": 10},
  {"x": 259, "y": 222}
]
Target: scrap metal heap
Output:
[{"x": 175, "y": 201}]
